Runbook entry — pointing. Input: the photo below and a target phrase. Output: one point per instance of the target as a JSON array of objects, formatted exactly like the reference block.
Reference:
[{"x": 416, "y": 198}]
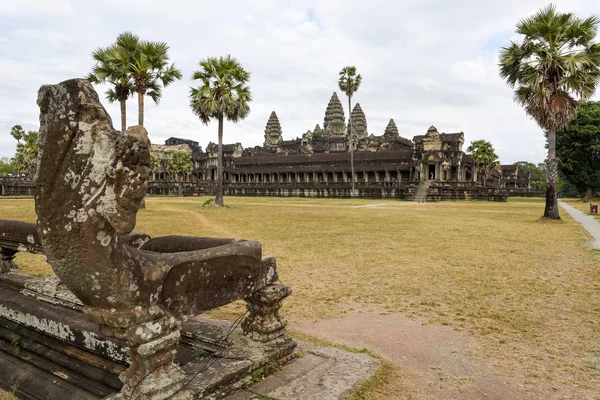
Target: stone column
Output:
[
  {"x": 152, "y": 337},
  {"x": 264, "y": 323}
]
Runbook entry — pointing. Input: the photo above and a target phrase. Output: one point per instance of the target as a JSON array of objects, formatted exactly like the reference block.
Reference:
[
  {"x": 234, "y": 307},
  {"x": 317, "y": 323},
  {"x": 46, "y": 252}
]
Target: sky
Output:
[{"x": 423, "y": 62}]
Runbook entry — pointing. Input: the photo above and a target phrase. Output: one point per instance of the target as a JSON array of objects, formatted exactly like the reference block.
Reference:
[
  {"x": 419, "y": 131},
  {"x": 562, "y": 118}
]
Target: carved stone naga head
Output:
[{"x": 90, "y": 182}]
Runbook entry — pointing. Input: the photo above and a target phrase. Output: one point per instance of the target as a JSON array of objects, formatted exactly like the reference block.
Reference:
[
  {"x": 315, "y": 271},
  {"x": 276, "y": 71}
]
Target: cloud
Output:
[{"x": 423, "y": 62}]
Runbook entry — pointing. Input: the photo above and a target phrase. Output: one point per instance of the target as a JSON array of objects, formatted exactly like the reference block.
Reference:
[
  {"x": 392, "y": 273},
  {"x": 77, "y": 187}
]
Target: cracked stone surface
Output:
[{"x": 322, "y": 373}]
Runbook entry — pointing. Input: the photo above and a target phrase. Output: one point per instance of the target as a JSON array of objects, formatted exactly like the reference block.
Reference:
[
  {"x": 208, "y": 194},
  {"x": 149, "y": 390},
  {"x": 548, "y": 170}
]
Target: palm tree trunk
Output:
[
  {"x": 141, "y": 94},
  {"x": 551, "y": 210},
  {"x": 123, "y": 116},
  {"x": 219, "y": 192},
  {"x": 351, "y": 139}
]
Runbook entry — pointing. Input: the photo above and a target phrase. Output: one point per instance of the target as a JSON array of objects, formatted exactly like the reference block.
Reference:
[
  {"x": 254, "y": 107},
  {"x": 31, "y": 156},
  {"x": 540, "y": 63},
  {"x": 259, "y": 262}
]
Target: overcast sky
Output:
[{"x": 423, "y": 62}]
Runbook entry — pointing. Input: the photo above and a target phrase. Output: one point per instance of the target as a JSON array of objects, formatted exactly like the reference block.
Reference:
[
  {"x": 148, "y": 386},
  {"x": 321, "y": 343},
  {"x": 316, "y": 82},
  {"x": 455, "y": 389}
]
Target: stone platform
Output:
[{"x": 50, "y": 350}]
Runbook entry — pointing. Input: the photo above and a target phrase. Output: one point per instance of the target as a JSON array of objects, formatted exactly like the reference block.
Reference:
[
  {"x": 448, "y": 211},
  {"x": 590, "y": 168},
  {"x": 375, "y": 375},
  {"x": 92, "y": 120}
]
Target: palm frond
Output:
[
  {"x": 222, "y": 89},
  {"x": 555, "y": 66}
]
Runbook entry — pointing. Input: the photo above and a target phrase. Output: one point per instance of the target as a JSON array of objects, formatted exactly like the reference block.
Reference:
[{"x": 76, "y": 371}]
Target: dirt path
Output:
[
  {"x": 204, "y": 221},
  {"x": 435, "y": 362}
]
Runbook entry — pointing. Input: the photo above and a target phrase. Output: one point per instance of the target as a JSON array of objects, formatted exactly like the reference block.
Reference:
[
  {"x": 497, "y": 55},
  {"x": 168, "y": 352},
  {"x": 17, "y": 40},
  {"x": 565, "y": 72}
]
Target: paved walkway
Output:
[{"x": 590, "y": 223}]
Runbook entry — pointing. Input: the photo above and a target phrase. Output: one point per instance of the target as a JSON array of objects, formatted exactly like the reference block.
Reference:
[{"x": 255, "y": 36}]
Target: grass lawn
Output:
[
  {"x": 528, "y": 289},
  {"x": 585, "y": 207}
]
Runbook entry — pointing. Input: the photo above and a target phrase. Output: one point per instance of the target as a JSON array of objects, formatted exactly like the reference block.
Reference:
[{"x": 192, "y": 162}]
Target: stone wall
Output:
[
  {"x": 405, "y": 191},
  {"x": 17, "y": 187}
]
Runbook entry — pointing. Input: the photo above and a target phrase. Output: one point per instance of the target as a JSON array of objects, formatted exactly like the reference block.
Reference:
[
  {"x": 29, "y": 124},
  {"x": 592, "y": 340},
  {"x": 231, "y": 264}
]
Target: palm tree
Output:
[
  {"x": 17, "y": 132},
  {"x": 555, "y": 66},
  {"x": 223, "y": 93},
  {"x": 483, "y": 154},
  {"x": 112, "y": 66},
  {"x": 349, "y": 83},
  {"x": 27, "y": 152},
  {"x": 149, "y": 69}
]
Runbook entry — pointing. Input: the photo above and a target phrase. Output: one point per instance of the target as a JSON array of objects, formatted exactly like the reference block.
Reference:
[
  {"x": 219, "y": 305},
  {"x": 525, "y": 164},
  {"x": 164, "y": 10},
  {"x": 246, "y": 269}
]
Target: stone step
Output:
[
  {"x": 422, "y": 192},
  {"x": 321, "y": 373}
]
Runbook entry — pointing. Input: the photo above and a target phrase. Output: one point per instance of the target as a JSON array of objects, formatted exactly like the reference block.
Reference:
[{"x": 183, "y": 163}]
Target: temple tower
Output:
[
  {"x": 432, "y": 131},
  {"x": 317, "y": 132},
  {"x": 359, "y": 122},
  {"x": 391, "y": 130},
  {"x": 273, "y": 131},
  {"x": 335, "y": 121}
]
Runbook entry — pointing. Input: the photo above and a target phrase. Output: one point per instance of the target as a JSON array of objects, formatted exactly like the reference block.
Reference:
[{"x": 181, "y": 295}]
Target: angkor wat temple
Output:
[{"x": 429, "y": 167}]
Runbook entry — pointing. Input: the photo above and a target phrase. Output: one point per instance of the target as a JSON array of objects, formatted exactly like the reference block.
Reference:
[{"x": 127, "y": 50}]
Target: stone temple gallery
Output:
[{"x": 430, "y": 167}]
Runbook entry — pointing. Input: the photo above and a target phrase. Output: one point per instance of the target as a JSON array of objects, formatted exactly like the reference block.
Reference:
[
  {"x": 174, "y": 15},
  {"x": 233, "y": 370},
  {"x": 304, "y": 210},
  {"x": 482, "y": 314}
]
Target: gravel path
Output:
[{"x": 589, "y": 222}]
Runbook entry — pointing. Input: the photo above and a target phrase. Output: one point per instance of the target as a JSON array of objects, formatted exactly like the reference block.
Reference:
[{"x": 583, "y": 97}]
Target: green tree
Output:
[
  {"x": 149, "y": 68},
  {"x": 180, "y": 163},
  {"x": 113, "y": 67},
  {"x": 154, "y": 163},
  {"x": 484, "y": 156},
  {"x": 25, "y": 160},
  {"x": 223, "y": 93},
  {"x": 566, "y": 188},
  {"x": 555, "y": 66},
  {"x": 578, "y": 148},
  {"x": 6, "y": 166},
  {"x": 349, "y": 83},
  {"x": 538, "y": 173},
  {"x": 17, "y": 132}
]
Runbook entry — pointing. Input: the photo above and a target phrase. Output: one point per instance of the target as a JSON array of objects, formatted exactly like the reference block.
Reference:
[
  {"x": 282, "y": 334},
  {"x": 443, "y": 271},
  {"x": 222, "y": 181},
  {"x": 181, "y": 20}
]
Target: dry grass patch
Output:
[
  {"x": 583, "y": 206},
  {"x": 527, "y": 288}
]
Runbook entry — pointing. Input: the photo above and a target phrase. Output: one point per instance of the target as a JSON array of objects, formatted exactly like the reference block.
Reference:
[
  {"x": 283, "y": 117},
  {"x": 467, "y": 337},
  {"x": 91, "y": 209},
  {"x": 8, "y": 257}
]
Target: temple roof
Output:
[
  {"x": 403, "y": 154},
  {"x": 508, "y": 167},
  {"x": 445, "y": 137}
]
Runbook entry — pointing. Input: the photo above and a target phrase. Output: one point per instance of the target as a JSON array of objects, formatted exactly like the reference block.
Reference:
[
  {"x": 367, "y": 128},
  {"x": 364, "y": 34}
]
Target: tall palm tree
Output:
[
  {"x": 555, "y": 66},
  {"x": 112, "y": 66},
  {"x": 349, "y": 83},
  {"x": 223, "y": 93},
  {"x": 17, "y": 132},
  {"x": 149, "y": 69}
]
